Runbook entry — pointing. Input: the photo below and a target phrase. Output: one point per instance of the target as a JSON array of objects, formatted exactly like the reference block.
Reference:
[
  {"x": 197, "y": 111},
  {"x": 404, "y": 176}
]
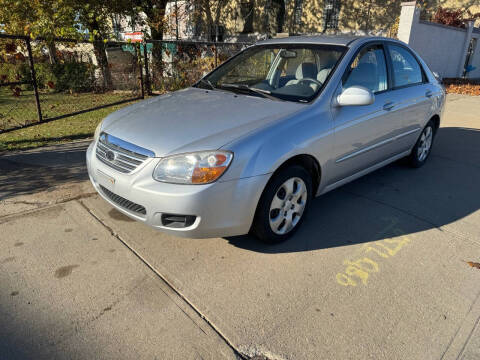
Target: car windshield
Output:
[{"x": 293, "y": 72}]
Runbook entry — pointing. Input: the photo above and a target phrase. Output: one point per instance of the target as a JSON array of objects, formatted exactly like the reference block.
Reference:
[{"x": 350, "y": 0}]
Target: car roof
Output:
[{"x": 343, "y": 40}]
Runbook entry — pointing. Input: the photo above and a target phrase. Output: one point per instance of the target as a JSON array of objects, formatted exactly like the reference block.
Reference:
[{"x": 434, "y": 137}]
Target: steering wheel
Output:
[{"x": 311, "y": 80}]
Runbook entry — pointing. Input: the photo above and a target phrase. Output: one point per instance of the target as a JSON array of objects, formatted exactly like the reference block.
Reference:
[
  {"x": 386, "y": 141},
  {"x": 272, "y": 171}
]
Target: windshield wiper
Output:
[
  {"x": 261, "y": 92},
  {"x": 207, "y": 82}
]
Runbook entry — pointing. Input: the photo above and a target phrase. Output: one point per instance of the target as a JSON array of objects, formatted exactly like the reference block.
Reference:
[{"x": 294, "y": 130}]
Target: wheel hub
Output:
[{"x": 288, "y": 205}]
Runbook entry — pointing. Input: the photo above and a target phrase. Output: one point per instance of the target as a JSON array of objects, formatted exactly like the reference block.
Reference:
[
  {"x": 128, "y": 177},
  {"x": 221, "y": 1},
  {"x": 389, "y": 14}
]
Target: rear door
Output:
[
  {"x": 364, "y": 134},
  {"x": 411, "y": 92}
]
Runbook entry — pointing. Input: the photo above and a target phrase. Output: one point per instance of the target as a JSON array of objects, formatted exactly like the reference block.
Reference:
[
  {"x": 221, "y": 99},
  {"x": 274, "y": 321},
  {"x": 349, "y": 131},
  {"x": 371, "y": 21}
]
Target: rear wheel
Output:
[
  {"x": 283, "y": 205},
  {"x": 423, "y": 147}
]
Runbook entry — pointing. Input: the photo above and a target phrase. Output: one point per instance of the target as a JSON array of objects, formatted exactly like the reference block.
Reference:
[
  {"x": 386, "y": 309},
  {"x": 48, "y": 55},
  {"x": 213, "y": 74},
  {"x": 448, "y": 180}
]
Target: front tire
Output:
[
  {"x": 423, "y": 147},
  {"x": 283, "y": 205}
]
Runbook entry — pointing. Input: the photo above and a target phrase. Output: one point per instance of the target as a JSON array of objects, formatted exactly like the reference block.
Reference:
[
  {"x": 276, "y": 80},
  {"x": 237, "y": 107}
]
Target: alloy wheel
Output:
[
  {"x": 288, "y": 205},
  {"x": 425, "y": 143}
]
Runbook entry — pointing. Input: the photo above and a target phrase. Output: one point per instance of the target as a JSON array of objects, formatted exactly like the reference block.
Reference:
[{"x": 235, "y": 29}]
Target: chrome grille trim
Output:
[
  {"x": 126, "y": 157},
  {"x": 124, "y": 203}
]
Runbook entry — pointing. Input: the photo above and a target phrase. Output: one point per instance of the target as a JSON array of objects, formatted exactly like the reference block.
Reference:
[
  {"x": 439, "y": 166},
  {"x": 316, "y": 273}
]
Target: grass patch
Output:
[
  {"x": 22, "y": 109},
  {"x": 59, "y": 131}
]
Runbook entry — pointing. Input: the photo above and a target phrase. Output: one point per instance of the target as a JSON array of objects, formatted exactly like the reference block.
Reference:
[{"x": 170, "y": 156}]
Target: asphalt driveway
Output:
[{"x": 378, "y": 271}]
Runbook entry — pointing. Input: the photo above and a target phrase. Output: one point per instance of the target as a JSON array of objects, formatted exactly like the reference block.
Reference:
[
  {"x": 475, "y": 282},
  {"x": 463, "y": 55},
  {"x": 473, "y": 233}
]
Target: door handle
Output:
[
  {"x": 428, "y": 93},
  {"x": 388, "y": 106}
]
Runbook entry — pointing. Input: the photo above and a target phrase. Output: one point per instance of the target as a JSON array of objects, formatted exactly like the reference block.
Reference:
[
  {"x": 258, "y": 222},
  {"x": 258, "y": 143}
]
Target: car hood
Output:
[{"x": 194, "y": 119}]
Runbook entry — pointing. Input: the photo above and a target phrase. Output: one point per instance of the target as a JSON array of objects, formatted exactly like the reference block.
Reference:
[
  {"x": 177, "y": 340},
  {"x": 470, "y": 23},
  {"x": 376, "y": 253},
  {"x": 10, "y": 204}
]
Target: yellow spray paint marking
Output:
[{"x": 359, "y": 270}]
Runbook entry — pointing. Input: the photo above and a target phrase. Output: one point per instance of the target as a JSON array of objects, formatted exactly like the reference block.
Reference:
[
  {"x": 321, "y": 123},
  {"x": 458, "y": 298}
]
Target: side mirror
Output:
[
  {"x": 437, "y": 76},
  {"x": 355, "y": 96}
]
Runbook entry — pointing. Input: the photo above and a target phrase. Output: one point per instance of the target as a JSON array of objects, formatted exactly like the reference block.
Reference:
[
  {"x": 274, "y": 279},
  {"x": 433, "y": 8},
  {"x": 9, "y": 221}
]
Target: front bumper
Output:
[{"x": 223, "y": 208}]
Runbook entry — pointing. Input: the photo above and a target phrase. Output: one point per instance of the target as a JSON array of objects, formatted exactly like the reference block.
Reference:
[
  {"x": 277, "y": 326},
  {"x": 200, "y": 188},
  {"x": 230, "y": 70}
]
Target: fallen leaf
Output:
[{"x": 473, "y": 264}]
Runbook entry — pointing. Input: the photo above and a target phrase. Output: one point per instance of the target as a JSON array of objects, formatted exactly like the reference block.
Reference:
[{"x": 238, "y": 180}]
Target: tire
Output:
[
  {"x": 420, "y": 153},
  {"x": 285, "y": 200}
]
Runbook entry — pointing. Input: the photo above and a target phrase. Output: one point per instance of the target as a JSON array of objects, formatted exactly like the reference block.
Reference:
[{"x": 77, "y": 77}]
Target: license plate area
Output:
[{"x": 106, "y": 180}]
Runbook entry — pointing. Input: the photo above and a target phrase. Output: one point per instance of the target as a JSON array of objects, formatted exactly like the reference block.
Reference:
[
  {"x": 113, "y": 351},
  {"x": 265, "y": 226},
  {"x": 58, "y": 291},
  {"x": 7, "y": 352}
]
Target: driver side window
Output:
[{"x": 368, "y": 69}]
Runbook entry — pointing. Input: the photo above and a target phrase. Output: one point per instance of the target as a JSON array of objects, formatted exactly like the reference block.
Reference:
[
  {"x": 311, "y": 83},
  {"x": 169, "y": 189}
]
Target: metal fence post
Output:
[
  {"x": 147, "y": 73},
  {"x": 139, "y": 63},
  {"x": 216, "y": 54},
  {"x": 34, "y": 78}
]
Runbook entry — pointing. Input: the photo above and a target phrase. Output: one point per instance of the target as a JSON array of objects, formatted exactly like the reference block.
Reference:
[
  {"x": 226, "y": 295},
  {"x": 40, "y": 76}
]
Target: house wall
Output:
[
  {"x": 374, "y": 16},
  {"x": 475, "y": 74},
  {"x": 443, "y": 48},
  {"x": 440, "y": 46},
  {"x": 377, "y": 17}
]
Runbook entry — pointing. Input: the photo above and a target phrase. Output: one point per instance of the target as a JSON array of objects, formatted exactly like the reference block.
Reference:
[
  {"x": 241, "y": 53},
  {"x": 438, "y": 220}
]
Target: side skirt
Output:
[{"x": 362, "y": 173}]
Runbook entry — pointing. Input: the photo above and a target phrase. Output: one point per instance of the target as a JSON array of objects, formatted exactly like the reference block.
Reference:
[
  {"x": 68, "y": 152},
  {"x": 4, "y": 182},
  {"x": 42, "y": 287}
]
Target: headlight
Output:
[
  {"x": 97, "y": 132},
  {"x": 194, "y": 168}
]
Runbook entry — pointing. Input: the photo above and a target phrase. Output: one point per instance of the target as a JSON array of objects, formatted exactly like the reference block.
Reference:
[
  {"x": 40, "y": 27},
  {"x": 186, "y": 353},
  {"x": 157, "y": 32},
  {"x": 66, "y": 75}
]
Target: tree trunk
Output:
[
  {"x": 102, "y": 60},
  {"x": 209, "y": 18},
  {"x": 52, "y": 52},
  {"x": 155, "y": 17}
]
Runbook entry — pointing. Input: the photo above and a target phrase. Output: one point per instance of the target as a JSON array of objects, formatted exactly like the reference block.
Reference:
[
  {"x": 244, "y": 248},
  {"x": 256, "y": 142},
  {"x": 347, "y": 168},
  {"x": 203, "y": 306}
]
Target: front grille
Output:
[
  {"x": 119, "y": 154},
  {"x": 124, "y": 203}
]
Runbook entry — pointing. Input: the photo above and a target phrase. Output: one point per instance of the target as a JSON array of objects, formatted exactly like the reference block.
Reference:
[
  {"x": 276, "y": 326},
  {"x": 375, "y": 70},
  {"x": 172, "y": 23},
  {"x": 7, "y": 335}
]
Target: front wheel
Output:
[
  {"x": 283, "y": 205},
  {"x": 423, "y": 147}
]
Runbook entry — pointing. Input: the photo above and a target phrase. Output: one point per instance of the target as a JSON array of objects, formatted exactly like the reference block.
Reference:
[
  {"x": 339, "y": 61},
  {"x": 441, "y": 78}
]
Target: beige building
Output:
[{"x": 248, "y": 18}]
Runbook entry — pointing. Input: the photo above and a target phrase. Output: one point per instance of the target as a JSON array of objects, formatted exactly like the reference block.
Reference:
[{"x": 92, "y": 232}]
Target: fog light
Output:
[{"x": 177, "y": 221}]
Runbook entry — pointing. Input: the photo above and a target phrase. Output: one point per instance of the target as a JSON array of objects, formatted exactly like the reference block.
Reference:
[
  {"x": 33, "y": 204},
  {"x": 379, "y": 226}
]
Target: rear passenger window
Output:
[
  {"x": 406, "y": 69},
  {"x": 368, "y": 70}
]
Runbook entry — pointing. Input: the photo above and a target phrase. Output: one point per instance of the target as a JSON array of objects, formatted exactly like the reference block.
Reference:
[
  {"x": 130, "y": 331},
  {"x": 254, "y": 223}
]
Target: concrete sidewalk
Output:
[
  {"x": 71, "y": 290},
  {"x": 137, "y": 293}
]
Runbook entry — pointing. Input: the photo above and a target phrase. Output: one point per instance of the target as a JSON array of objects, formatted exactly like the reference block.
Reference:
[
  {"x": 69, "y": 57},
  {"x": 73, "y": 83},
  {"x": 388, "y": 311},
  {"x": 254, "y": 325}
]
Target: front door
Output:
[{"x": 364, "y": 135}]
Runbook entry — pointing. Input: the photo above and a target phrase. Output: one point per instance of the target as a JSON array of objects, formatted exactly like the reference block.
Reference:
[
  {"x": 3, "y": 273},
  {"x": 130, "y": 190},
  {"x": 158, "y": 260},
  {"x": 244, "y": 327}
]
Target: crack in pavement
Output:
[
  {"x": 40, "y": 205},
  {"x": 230, "y": 344}
]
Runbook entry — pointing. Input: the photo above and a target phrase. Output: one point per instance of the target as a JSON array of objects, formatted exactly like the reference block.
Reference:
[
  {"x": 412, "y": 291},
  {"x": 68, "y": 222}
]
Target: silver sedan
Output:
[{"x": 248, "y": 147}]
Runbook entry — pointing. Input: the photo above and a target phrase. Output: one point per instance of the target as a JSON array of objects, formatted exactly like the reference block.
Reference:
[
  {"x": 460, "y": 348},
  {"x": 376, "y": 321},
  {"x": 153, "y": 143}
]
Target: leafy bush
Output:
[
  {"x": 454, "y": 17},
  {"x": 73, "y": 76},
  {"x": 14, "y": 72}
]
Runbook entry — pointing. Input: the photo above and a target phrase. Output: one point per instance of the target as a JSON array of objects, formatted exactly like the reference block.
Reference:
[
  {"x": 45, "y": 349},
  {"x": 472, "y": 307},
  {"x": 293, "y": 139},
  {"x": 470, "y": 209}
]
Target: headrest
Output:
[
  {"x": 322, "y": 75},
  {"x": 306, "y": 70}
]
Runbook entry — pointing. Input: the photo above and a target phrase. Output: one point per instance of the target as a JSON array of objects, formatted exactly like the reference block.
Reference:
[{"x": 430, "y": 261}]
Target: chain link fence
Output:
[
  {"x": 44, "y": 80},
  {"x": 18, "y": 103},
  {"x": 77, "y": 82},
  {"x": 174, "y": 65}
]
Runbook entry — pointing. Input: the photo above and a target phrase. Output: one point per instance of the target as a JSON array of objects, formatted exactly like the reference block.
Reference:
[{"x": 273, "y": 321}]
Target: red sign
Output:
[{"x": 134, "y": 36}]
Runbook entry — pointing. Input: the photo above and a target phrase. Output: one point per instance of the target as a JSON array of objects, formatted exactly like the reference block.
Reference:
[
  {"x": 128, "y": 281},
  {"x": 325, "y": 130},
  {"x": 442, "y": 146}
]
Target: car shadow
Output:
[
  {"x": 393, "y": 201},
  {"x": 31, "y": 171}
]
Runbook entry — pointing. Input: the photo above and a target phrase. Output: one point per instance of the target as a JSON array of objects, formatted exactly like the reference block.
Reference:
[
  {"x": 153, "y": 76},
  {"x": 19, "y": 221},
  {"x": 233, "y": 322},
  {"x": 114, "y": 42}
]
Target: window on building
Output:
[
  {"x": 297, "y": 12},
  {"x": 331, "y": 12},
  {"x": 246, "y": 11},
  {"x": 279, "y": 11}
]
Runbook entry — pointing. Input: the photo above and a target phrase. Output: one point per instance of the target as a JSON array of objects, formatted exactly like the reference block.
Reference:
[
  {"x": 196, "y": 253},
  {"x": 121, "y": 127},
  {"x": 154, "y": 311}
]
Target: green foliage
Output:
[
  {"x": 47, "y": 18},
  {"x": 13, "y": 72},
  {"x": 44, "y": 74},
  {"x": 73, "y": 76}
]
